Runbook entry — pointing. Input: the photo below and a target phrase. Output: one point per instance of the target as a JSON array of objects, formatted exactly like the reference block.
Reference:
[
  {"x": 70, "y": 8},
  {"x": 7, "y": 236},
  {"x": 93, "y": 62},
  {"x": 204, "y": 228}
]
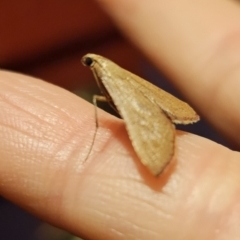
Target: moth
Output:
[{"x": 147, "y": 111}]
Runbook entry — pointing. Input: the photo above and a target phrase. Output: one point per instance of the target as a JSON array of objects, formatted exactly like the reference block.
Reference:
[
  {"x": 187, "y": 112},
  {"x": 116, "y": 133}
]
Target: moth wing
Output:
[
  {"x": 178, "y": 111},
  {"x": 151, "y": 132}
]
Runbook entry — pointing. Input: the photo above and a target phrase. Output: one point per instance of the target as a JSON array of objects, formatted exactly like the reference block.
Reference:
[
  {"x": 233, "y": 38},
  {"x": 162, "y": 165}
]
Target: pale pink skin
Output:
[{"x": 45, "y": 130}]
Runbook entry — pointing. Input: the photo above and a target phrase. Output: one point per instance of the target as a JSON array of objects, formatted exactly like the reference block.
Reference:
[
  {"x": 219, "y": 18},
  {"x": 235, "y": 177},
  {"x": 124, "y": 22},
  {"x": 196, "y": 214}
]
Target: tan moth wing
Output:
[
  {"x": 151, "y": 132},
  {"x": 178, "y": 111}
]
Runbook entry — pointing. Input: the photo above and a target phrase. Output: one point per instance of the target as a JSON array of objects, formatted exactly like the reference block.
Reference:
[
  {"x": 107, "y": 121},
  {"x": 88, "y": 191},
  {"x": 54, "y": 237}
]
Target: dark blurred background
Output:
[{"x": 47, "y": 39}]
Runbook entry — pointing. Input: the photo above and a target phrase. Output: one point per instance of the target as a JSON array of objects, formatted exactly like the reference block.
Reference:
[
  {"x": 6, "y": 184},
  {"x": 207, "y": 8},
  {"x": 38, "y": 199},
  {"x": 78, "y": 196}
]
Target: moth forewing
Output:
[
  {"x": 177, "y": 110},
  {"x": 148, "y": 112},
  {"x": 151, "y": 132}
]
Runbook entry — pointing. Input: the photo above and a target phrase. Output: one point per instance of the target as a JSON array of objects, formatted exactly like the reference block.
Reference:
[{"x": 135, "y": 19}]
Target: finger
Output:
[
  {"x": 45, "y": 134},
  {"x": 197, "y": 45}
]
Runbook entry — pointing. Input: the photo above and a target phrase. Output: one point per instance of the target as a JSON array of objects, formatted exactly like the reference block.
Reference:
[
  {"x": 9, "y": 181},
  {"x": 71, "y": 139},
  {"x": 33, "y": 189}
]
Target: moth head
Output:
[{"x": 89, "y": 60}]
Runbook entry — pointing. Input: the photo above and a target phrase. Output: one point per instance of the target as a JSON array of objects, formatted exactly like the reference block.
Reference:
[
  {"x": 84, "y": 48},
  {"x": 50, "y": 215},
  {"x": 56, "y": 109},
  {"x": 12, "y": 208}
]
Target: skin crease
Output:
[{"x": 45, "y": 130}]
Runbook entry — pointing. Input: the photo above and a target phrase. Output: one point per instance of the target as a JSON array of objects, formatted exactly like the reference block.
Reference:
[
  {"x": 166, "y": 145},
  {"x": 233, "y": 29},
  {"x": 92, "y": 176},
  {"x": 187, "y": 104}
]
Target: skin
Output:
[{"x": 45, "y": 130}]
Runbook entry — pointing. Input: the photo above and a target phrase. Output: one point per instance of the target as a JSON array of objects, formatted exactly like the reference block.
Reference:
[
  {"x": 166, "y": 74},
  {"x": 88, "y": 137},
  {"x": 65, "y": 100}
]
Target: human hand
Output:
[{"x": 45, "y": 130}]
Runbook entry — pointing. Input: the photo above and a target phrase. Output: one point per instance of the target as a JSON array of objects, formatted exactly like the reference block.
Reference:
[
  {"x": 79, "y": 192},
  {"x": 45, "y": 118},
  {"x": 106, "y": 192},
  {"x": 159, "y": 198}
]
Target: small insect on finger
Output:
[{"x": 147, "y": 111}]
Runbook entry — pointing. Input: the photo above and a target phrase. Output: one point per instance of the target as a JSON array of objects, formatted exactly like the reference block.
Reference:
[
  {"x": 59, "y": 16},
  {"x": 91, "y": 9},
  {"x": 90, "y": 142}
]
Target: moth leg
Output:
[{"x": 96, "y": 98}]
